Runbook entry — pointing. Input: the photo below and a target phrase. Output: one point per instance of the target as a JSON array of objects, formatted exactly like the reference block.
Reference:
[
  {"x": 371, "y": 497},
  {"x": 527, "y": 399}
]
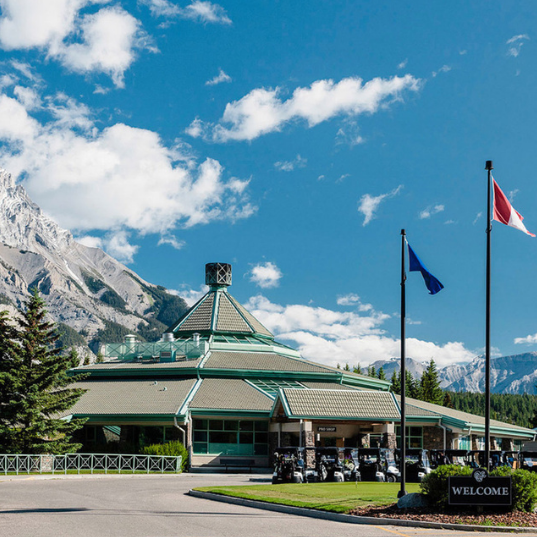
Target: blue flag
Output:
[{"x": 417, "y": 266}]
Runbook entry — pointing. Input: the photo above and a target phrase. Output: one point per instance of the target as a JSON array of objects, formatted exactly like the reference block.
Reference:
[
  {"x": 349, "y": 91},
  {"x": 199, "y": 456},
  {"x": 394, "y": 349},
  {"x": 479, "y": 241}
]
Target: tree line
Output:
[
  {"x": 35, "y": 392},
  {"x": 518, "y": 409}
]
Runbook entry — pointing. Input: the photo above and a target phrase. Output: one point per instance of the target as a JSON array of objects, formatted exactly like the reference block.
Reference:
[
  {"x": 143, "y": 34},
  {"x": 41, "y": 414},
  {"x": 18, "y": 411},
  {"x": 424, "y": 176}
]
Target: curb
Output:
[
  {"x": 352, "y": 519},
  {"x": 44, "y": 477}
]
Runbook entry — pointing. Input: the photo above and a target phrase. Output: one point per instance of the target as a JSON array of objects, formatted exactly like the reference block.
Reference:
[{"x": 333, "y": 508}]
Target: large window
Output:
[
  {"x": 230, "y": 437},
  {"x": 414, "y": 437}
]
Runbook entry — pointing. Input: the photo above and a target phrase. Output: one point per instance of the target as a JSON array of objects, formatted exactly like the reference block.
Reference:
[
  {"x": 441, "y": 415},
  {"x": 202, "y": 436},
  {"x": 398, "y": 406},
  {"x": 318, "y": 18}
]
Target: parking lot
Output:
[{"x": 156, "y": 505}]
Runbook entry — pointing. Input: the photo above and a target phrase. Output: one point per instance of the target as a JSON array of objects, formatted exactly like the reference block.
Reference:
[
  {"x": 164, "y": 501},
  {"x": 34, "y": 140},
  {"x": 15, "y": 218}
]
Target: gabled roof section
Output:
[
  {"x": 219, "y": 313},
  {"x": 230, "y": 394},
  {"x": 338, "y": 404}
]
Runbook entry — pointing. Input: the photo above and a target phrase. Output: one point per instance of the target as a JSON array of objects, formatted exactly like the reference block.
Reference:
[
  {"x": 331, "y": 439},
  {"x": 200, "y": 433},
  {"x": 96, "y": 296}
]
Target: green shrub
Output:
[
  {"x": 435, "y": 486},
  {"x": 524, "y": 487},
  {"x": 170, "y": 449}
]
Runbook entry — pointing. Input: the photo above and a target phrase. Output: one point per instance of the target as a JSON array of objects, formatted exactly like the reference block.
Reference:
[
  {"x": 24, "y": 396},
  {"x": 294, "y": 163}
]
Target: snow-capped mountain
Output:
[{"x": 84, "y": 288}]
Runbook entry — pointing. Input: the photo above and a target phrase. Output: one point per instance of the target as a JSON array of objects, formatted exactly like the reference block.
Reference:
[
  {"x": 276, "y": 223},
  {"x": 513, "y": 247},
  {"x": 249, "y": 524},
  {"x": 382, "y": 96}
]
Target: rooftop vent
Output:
[{"x": 218, "y": 274}]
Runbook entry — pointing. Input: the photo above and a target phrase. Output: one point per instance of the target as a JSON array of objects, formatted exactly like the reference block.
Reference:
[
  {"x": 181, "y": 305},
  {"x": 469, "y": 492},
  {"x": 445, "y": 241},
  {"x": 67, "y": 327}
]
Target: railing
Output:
[
  {"x": 88, "y": 462},
  {"x": 183, "y": 350}
]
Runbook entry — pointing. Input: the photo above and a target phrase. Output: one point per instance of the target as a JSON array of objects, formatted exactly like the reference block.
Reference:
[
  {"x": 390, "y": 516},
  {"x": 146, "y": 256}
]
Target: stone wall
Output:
[
  {"x": 389, "y": 440},
  {"x": 433, "y": 438}
]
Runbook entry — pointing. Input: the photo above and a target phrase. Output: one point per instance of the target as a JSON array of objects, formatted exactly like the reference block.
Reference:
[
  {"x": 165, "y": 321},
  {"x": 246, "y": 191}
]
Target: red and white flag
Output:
[{"x": 505, "y": 213}]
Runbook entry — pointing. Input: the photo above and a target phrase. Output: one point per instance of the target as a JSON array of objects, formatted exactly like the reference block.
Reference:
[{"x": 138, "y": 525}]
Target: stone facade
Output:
[
  {"x": 389, "y": 440},
  {"x": 433, "y": 438}
]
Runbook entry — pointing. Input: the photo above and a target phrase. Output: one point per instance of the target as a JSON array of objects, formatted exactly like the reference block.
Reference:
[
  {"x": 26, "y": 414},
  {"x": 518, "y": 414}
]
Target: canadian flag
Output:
[{"x": 505, "y": 213}]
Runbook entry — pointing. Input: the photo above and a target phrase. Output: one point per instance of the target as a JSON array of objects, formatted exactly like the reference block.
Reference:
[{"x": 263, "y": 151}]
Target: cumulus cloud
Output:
[
  {"x": 218, "y": 79},
  {"x": 108, "y": 43},
  {"x": 333, "y": 337},
  {"x": 515, "y": 44},
  {"x": 190, "y": 296},
  {"x": 290, "y": 165},
  {"x": 368, "y": 204},
  {"x": 266, "y": 275},
  {"x": 263, "y": 111},
  {"x": 118, "y": 178},
  {"x": 115, "y": 243},
  {"x": 353, "y": 300},
  {"x": 430, "y": 211},
  {"x": 199, "y": 11},
  {"x": 529, "y": 340}
]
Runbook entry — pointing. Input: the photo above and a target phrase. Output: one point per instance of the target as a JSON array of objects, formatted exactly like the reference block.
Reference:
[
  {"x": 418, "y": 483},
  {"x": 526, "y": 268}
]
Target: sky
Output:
[{"x": 293, "y": 140}]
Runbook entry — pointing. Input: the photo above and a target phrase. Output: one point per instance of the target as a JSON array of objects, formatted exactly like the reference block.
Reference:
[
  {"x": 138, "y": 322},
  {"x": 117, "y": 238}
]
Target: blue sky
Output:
[{"x": 294, "y": 140}]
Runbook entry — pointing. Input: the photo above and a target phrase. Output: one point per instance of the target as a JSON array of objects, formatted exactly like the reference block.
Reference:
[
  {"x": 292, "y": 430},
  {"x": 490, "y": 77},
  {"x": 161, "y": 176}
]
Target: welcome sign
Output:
[{"x": 480, "y": 489}]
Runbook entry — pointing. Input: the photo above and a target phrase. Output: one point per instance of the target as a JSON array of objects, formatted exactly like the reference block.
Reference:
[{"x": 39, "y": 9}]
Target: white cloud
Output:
[
  {"x": 28, "y": 97},
  {"x": 109, "y": 38},
  {"x": 190, "y": 296},
  {"x": 119, "y": 178},
  {"x": 172, "y": 241},
  {"x": 218, "y": 79},
  {"x": 512, "y": 194},
  {"x": 333, "y": 337},
  {"x": 204, "y": 12},
  {"x": 262, "y": 111},
  {"x": 515, "y": 43},
  {"x": 430, "y": 211},
  {"x": 477, "y": 217},
  {"x": 529, "y": 340},
  {"x": 368, "y": 204},
  {"x": 290, "y": 165},
  {"x": 266, "y": 275},
  {"x": 115, "y": 243},
  {"x": 402, "y": 65},
  {"x": 443, "y": 69},
  {"x": 349, "y": 134},
  {"x": 353, "y": 300}
]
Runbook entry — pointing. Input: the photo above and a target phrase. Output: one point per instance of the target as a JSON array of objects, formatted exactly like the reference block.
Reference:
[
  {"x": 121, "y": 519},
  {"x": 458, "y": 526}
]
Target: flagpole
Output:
[
  {"x": 489, "y": 168},
  {"x": 402, "y": 462}
]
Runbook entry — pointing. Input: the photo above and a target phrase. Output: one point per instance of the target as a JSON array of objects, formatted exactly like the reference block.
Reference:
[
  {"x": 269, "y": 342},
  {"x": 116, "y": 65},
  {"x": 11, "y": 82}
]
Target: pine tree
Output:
[
  {"x": 87, "y": 360},
  {"x": 42, "y": 392},
  {"x": 381, "y": 375},
  {"x": 9, "y": 367},
  {"x": 372, "y": 371},
  {"x": 346, "y": 368},
  {"x": 447, "y": 401},
  {"x": 73, "y": 356},
  {"x": 357, "y": 369},
  {"x": 100, "y": 359},
  {"x": 396, "y": 383},
  {"x": 430, "y": 385}
]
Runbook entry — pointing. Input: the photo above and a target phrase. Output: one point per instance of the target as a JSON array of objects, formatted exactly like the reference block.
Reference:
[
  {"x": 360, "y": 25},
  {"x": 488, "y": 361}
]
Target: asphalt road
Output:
[{"x": 158, "y": 506}]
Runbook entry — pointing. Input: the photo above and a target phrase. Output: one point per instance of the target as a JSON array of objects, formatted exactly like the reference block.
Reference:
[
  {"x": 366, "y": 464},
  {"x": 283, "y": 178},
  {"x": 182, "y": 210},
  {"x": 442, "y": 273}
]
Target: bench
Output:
[{"x": 238, "y": 463}]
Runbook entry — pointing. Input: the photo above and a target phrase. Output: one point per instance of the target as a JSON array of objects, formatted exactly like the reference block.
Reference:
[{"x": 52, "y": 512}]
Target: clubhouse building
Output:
[{"x": 219, "y": 382}]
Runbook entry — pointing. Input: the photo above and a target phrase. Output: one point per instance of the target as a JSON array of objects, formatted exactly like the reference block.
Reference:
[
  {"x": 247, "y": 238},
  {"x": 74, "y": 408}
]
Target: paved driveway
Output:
[{"x": 157, "y": 506}]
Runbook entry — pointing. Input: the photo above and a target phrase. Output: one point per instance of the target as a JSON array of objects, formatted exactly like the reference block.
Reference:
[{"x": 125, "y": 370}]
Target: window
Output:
[
  {"x": 230, "y": 437},
  {"x": 414, "y": 437}
]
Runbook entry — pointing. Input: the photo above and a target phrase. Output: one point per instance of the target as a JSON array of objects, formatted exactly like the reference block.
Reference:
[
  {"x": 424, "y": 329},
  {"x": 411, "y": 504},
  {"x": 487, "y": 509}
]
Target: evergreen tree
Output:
[
  {"x": 73, "y": 356},
  {"x": 346, "y": 368},
  {"x": 9, "y": 366},
  {"x": 430, "y": 385},
  {"x": 87, "y": 360},
  {"x": 100, "y": 359},
  {"x": 396, "y": 383},
  {"x": 381, "y": 375},
  {"x": 31, "y": 423},
  {"x": 447, "y": 401},
  {"x": 412, "y": 386},
  {"x": 357, "y": 369},
  {"x": 372, "y": 371}
]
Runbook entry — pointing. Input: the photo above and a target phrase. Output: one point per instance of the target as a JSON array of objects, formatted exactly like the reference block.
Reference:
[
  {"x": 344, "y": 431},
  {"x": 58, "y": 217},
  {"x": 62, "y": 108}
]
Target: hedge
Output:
[{"x": 170, "y": 449}]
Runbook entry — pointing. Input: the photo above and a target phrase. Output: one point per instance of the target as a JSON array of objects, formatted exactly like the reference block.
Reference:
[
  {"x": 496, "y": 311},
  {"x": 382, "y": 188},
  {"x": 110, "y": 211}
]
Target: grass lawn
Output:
[{"x": 337, "y": 497}]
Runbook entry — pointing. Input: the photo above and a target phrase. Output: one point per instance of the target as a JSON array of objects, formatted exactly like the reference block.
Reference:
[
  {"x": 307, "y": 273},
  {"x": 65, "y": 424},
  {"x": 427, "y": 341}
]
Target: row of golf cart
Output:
[{"x": 382, "y": 464}]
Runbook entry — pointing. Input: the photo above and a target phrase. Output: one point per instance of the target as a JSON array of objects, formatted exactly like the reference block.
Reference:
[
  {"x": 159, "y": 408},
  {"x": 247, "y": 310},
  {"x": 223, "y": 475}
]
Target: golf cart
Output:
[
  {"x": 377, "y": 464},
  {"x": 350, "y": 464},
  {"x": 289, "y": 465},
  {"x": 528, "y": 460},
  {"x": 327, "y": 464},
  {"x": 440, "y": 457},
  {"x": 417, "y": 464}
]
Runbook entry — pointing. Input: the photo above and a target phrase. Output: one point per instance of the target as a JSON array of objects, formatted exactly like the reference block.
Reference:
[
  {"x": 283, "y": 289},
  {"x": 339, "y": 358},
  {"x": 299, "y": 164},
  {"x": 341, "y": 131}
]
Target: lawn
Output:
[{"x": 337, "y": 497}]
